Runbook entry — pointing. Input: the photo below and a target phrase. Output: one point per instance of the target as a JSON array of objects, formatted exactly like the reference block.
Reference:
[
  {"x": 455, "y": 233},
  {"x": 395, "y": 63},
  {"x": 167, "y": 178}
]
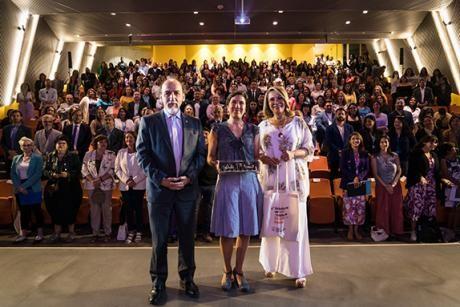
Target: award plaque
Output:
[{"x": 238, "y": 166}]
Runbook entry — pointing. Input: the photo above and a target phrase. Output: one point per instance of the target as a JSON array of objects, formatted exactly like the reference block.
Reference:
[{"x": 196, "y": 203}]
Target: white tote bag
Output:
[
  {"x": 122, "y": 232},
  {"x": 281, "y": 211}
]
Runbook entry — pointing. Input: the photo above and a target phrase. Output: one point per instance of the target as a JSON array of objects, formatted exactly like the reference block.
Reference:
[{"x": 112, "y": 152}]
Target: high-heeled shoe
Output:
[
  {"x": 227, "y": 281},
  {"x": 243, "y": 284}
]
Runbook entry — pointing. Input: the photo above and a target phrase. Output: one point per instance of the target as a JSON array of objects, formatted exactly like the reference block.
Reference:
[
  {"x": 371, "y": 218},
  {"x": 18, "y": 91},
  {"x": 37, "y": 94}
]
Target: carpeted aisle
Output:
[{"x": 347, "y": 275}]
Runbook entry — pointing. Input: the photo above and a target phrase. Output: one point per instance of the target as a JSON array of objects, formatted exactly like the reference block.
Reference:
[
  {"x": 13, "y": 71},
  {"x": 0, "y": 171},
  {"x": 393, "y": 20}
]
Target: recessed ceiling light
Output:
[
  {"x": 365, "y": 11},
  {"x": 77, "y": 35},
  {"x": 275, "y": 23},
  {"x": 128, "y": 25},
  {"x": 195, "y": 12},
  {"x": 347, "y": 22},
  {"x": 280, "y": 12},
  {"x": 392, "y": 32},
  {"x": 201, "y": 23},
  {"x": 113, "y": 13}
]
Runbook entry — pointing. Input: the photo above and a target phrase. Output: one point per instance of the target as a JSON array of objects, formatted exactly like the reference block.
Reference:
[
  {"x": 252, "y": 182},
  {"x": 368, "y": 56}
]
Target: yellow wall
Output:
[{"x": 258, "y": 52}]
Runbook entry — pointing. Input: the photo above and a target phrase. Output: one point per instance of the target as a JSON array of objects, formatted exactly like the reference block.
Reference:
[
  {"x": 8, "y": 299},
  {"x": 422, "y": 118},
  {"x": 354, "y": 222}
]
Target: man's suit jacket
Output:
[
  {"x": 428, "y": 95},
  {"x": 142, "y": 104},
  {"x": 322, "y": 121},
  {"x": 43, "y": 144},
  {"x": 335, "y": 143},
  {"x": 83, "y": 141},
  {"x": 155, "y": 155},
  {"x": 150, "y": 101},
  {"x": 115, "y": 138},
  {"x": 252, "y": 96},
  {"x": 6, "y": 138}
]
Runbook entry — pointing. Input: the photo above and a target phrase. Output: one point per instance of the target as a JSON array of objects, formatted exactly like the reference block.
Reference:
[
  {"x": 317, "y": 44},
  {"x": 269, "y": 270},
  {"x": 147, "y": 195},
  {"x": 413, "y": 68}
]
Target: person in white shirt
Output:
[
  {"x": 122, "y": 122},
  {"x": 132, "y": 186},
  {"x": 48, "y": 96}
]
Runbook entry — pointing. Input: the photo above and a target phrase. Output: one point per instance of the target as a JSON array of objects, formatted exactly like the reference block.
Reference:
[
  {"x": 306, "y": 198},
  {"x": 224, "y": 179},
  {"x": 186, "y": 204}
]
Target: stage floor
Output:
[{"x": 344, "y": 275}]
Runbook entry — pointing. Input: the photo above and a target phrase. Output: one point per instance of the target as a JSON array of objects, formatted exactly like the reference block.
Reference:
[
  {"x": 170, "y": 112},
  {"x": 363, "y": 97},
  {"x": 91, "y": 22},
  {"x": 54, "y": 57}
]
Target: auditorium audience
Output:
[
  {"x": 123, "y": 123},
  {"x": 25, "y": 99},
  {"x": 47, "y": 96},
  {"x": 63, "y": 193},
  {"x": 78, "y": 133},
  {"x": 402, "y": 141},
  {"x": 97, "y": 171},
  {"x": 88, "y": 105},
  {"x": 132, "y": 186},
  {"x": 98, "y": 122},
  {"x": 26, "y": 173}
]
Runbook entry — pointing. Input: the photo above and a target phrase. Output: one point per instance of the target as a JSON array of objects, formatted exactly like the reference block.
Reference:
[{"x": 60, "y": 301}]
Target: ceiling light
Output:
[
  {"x": 128, "y": 25},
  {"x": 392, "y": 32},
  {"x": 347, "y": 22},
  {"x": 365, "y": 11},
  {"x": 195, "y": 12},
  {"x": 201, "y": 23},
  {"x": 77, "y": 35},
  {"x": 113, "y": 13},
  {"x": 280, "y": 12},
  {"x": 275, "y": 23}
]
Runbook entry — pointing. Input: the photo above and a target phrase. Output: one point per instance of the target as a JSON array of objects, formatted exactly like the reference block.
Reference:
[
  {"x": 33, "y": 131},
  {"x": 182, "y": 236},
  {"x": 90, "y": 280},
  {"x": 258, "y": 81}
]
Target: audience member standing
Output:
[
  {"x": 389, "y": 201},
  {"x": 78, "y": 133},
  {"x": 63, "y": 193},
  {"x": 354, "y": 167},
  {"x": 132, "y": 186},
  {"x": 422, "y": 179},
  {"x": 45, "y": 138},
  {"x": 114, "y": 136},
  {"x": 47, "y": 96},
  {"x": 97, "y": 172},
  {"x": 26, "y": 173}
]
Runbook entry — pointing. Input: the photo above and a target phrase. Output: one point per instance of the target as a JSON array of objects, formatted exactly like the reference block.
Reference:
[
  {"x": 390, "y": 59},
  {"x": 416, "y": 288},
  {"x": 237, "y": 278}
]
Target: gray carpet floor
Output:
[{"x": 347, "y": 275}]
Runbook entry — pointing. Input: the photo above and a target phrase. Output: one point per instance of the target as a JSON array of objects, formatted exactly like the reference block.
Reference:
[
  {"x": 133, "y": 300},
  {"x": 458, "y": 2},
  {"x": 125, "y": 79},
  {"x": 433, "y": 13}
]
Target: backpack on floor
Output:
[{"x": 428, "y": 230}]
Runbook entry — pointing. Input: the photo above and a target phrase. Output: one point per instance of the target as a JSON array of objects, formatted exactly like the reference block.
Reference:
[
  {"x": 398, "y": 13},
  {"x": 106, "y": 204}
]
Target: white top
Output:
[
  {"x": 22, "y": 168},
  {"x": 127, "y": 125},
  {"x": 132, "y": 162}
]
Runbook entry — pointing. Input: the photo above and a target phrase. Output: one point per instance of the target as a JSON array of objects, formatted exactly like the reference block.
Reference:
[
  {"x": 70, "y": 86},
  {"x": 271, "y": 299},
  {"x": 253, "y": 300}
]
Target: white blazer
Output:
[
  {"x": 89, "y": 168},
  {"x": 122, "y": 172}
]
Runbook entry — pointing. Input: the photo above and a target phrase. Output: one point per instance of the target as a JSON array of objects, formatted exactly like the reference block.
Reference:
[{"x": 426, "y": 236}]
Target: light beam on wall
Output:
[
  {"x": 79, "y": 55},
  {"x": 446, "y": 20},
  {"x": 15, "y": 50},
  {"x": 56, "y": 59},
  {"x": 90, "y": 57},
  {"x": 28, "y": 49},
  {"x": 377, "y": 51},
  {"x": 392, "y": 54},
  {"x": 446, "y": 45},
  {"x": 413, "y": 48}
]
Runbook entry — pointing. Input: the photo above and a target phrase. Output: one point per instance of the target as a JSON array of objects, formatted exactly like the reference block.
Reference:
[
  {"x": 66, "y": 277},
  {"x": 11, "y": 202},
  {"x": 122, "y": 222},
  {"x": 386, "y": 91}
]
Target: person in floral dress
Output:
[
  {"x": 354, "y": 167},
  {"x": 422, "y": 180},
  {"x": 286, "y": 142}
]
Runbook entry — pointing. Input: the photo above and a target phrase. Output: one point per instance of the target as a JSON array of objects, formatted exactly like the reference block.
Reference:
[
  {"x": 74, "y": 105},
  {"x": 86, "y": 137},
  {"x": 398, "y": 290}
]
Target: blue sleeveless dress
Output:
[{"x": 238, "y": 197}]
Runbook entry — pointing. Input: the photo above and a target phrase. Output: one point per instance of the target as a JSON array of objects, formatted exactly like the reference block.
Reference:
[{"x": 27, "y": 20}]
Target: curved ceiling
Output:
[{"x": 167, "y": 22}]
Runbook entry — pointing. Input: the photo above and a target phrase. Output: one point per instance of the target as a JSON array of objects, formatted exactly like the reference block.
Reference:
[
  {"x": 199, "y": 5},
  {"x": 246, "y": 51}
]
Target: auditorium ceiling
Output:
[{"x": 141, "y": 22}]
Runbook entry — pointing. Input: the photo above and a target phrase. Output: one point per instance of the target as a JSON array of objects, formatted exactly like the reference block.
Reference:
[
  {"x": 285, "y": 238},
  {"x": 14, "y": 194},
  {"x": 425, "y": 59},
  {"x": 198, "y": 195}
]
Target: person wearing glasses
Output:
[{"x": 46, "y": 138}]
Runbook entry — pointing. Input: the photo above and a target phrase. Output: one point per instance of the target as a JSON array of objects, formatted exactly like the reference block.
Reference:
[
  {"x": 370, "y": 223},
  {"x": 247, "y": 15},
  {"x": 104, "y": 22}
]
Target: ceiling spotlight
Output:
[
  {"x": 201, "y": 23},
  {"x": 365, "y": 11},
  {"x": 392, "y": 32},
  {"x": 347, "y": 22},
  {"x": 280, "y": 12},
  {"x": 195, "y": 13},
  {"x": 113, "y": 14},
  {"x": 77, "y": 35},
  {"x": 128, "y": 25},
  {"x": 275, "y": 23}
]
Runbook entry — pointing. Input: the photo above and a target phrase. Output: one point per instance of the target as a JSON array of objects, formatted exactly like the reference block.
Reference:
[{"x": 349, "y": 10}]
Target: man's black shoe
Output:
[
  {"x": 158, "y": 295},
  {"x": 190, "y": 288}
]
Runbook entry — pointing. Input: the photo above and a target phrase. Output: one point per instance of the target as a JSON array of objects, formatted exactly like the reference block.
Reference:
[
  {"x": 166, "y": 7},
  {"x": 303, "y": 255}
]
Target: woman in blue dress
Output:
[{"x": 238, "y": 196}]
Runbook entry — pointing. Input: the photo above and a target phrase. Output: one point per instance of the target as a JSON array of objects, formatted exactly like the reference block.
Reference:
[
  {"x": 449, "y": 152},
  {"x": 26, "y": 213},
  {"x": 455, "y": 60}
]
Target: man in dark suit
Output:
[
  {"x": 253, "y": 92},
  {"x": 12, "y": 133},
  {"x": 200, "y": 106},
  {"x": 400, "y": 112},
  {"x": 171, "y": 150},
  {"x": 135, "y": 107},
  {"x": 114, "y": 135},
  {"x": 324, "y": 120},
  {"x": 423, "y": 94},
  {"x": 336, "y": 139},
  {"x": 78, "y": 133}
]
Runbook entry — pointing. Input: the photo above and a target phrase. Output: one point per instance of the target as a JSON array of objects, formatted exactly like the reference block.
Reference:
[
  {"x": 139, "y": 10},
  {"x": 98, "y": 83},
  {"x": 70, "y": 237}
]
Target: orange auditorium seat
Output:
[
  {"x": 6, "y": 203},
  {"x": 320, "y": 187},
  {"x": 321, "y": 210},
  {"x": 319, "y": 168}
]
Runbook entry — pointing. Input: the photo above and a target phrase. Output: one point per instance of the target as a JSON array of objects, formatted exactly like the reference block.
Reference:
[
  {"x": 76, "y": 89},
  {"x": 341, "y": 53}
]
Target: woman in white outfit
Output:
[{"x": 286, "y": 142}]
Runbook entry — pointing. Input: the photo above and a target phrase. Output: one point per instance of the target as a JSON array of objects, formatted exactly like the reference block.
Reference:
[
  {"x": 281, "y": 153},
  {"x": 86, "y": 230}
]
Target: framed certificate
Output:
[{"x": 238, "y": 166}]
